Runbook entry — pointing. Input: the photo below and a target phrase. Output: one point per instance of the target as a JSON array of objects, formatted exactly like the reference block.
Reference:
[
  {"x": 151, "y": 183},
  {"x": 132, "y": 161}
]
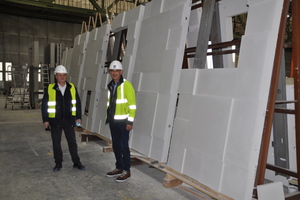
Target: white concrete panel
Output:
[
  {"x": 192, "y": 35},
  {"x": 205, "y": 168},
  {"x": 92, "y": 73},
  {"x": 216, "y": 82},
  {"x": 143, "y": 124},
  {"x": 212, "y": 125},
  {"x": 101, "y": 127},
  {"x": 170, "y": 4},
  {"x": 78, "y": 58},
  {"x": 147, "y": 84},
  {"x": 236, "y": 182},
  {"x": 178, "y": 145},
  {"x": 184, "y": 107},
  {"x": 227, "y": 9},
  {"x": 232, "y": 8},
  {"x": 170, "y": 75},
  {"x": 188, "y": 78},
  {"x": 68, "y": 58},
  {"x": 132, "y": 21},
  {"x": 224, "y": 114},
  {"x": 158, "y": 63},
  {"x": 133, "y": 15},
  {"x": 163, "y": 123},
  {"x": 93, "y": 34},
  {"x": 77, "y": 40},
  {"x": 84, "y": 37},
  {"x": 156, "y": 8},
  {"x": 118, "y": 22},
  {"x": 144, "y": 120},
  {"x": 269, "y": 191},
  {"x": 247, "y": 124},
  {"x": 267, "y": 19},
  {"x": 142, "y": 142}
]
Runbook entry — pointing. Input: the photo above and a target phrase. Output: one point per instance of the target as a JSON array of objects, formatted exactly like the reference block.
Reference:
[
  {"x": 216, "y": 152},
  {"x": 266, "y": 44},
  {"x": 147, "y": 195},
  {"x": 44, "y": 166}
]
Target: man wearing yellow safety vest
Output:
[
  {"x": 121, "y": 109},
  {"x": 61, "y": 110}
]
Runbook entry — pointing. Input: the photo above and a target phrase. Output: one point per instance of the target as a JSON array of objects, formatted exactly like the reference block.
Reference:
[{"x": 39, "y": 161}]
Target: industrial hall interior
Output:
[{"x": 200, "y": 98}]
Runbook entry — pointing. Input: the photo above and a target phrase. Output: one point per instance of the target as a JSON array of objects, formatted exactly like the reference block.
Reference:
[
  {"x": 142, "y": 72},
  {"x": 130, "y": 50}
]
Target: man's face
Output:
[
  {"x": 115, "y": 74},
  {"x": 61, "y": 78}
]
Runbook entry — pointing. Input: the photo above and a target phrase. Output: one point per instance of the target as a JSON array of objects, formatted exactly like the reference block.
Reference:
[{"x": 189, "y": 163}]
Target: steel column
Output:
[
  {"x": 204, "y": 32},
  {"x": 296, "y": 60},
  {"x": 260, "y": 175}
]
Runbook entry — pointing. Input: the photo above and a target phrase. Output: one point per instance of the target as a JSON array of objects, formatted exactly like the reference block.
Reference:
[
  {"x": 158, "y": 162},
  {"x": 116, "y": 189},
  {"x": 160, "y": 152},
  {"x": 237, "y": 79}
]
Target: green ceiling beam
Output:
[
  {"x": 55, "y": 6},
  {"x": 94, "y": 3},
  {"x": 47, "y": 1},
  {"x": 111, "y": 5}
]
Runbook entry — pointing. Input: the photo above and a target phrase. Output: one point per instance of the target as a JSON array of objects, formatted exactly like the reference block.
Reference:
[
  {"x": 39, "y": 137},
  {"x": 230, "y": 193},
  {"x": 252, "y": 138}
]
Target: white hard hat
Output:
[
  {"x": 60, "y": 69},
  {"x": 116, "y": 65}
]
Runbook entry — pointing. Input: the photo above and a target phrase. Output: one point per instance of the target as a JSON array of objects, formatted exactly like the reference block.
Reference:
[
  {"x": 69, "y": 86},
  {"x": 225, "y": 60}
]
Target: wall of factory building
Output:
[
  {"x": 214, "y": 133},
  {"x": 17, "y": 36}
]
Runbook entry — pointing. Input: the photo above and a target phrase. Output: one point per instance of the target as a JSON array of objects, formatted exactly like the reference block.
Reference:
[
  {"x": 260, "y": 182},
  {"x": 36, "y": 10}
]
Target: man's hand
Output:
[
  {"x": 128, "y": 127},
  {"x": 47, "y": 126}
]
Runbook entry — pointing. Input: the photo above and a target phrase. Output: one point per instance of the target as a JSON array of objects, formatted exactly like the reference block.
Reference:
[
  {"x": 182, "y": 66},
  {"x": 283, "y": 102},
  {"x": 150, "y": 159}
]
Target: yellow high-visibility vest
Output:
[
  {"x": 125, "y": 103},
  {"x": 52, "y": 100}
]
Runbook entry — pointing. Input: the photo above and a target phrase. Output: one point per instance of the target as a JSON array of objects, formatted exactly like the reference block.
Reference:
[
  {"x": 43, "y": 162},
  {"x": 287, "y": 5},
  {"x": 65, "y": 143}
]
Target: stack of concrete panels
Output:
[
  {"x": 67, "y": 58},
  {"x": 157, "y": 73},
  {"x": 130, "y": 20},
  {"x": 93, "y": 69},
  {"x": 78, "y": 58},
  {"x": 221, "y": 112}
]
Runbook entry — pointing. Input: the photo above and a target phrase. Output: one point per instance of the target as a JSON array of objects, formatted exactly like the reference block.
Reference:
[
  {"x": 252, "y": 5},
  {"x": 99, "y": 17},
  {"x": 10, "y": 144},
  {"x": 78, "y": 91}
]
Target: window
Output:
[
  {"x": 8, "y": 69},
  {"x": 1, "y": 71}
]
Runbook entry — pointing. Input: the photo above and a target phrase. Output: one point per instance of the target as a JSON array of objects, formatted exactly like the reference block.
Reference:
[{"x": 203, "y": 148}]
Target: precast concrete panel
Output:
[
  {"x": 100, "y": 118},
  {"x": 68, "y": 58},
  {"x": 188, "y": 78},
  {"x": 93, "y": 35},
  {"x": 145, "y": 130},
  {"x": 91, "y": 76},
  {"x": 64, "y": 57},
  {"x": 131, "y": 21},
  {"x": 77, "y": 40},
  {"x": 224, "y": 110},
  {"x": 272, "y": 191},
  {"x": 228, "y": 9},
  {"x": 78, "y": 58},
  {"x": 118, "y": 22},
  {"x": 157, "y": 67}
]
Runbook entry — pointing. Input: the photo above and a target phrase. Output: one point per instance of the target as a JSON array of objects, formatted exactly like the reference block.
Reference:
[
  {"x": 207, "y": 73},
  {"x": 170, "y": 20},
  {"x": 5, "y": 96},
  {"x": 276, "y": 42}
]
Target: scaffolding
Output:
[{"x": 18, "y": 94}]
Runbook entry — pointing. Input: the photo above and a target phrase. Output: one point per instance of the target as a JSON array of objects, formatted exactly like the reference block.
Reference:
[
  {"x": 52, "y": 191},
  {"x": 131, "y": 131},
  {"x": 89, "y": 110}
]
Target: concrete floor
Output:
[{"x": 26, "y": 163}]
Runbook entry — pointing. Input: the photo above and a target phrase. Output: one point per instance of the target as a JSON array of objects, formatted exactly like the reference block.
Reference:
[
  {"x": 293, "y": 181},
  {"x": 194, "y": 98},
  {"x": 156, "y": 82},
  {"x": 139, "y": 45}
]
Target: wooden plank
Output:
[
  {"x": 185, "y": 179},
  {"x": 170, "y": 181}
]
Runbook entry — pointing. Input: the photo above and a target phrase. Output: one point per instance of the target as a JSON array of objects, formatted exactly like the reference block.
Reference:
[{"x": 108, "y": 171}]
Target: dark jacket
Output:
[
  {"x": 112, "y": 104},
  {"x": 63, "y": 106}
]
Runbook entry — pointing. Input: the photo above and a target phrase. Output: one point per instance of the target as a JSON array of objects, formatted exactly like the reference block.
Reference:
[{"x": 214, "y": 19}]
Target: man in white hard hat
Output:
[
  {"x": 121, "y": 109},
  {"x": 61, "y": 109}
]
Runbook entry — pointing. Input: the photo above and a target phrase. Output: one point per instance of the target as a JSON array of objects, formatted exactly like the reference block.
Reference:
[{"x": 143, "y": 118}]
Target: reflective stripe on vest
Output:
[{"x": 52, "y": 100}]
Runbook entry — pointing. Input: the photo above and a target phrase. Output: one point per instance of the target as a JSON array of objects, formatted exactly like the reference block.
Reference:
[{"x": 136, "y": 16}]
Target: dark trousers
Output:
[
  {"x": 56, "y": 132},
  {"x": 120, "y": 138}
]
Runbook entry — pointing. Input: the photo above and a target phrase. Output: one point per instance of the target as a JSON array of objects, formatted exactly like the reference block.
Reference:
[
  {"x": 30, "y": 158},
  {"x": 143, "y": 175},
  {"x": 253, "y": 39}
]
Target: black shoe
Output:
[
  {"x": 57, "y": 168},
  {"x": 79, "y": 166}
]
